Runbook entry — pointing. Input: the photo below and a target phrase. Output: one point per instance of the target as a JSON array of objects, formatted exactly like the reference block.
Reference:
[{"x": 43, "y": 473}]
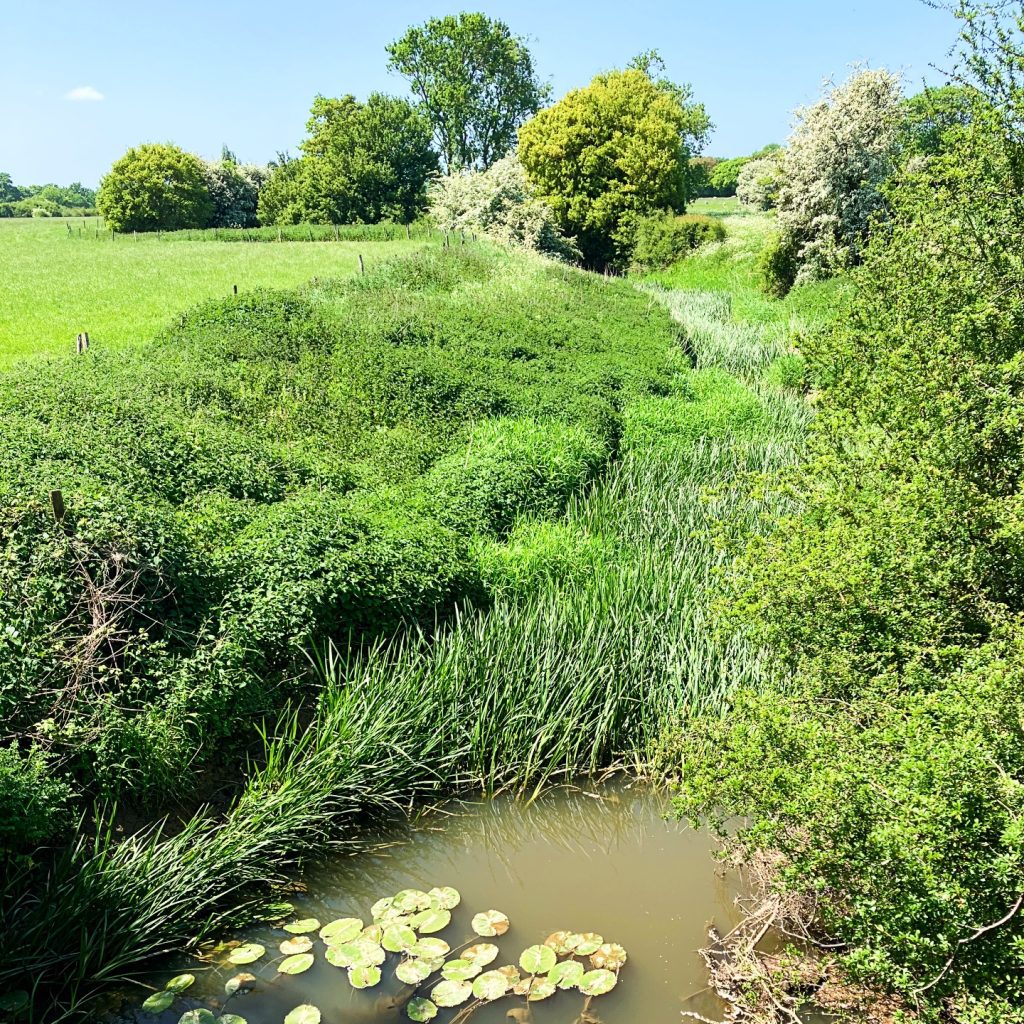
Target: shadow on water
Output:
[{"x": 600, "y": 858}]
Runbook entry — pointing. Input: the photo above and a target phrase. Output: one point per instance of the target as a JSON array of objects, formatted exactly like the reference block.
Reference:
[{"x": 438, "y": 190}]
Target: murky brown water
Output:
[{"x": 602, "y": 860}]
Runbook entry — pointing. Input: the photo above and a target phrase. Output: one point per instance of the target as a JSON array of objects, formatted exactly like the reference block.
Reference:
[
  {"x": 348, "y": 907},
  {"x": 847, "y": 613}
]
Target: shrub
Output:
[
  {"x": 35, "y": 804},
  {"x": 788, "y": 372},
  {"x": 664, "y": 239},
  {"x": 778, "y": 264},
  {"x": 155, "y": 187},
  {"x": 759, "y": 182},
  {"x": 234, "y": 192},
  {"x": 724, "y": 177}
]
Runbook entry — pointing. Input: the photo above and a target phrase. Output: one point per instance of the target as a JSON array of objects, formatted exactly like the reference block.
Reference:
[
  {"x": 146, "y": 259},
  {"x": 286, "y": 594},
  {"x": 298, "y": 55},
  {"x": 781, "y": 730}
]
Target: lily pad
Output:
[
  {"x": 158, "y": 1002},
  {"x": 535, "y": 988},
  {"x": 408, "y": 901},
  {"x": 231, "y": 1018},
  {"x": 482, "y": 954},
  {"x": 382, "y": 908},
  {"x": 200, "y": 1016},
  {"x": 307, "y": 924},
  {"x": 430, "y": 920},
  {"x": 180, "y": 982},
  {"x": 304, "y": 1014},
  {"x": 512, "y": 973},
  {"x": 460, "y": 970},
  {"x": 364, "y": 977},
  {"x": 562, "y": 943},
  {"x": 588, "y": 942},
  {"x": 413, "y": 972},
  {"x": 537, "y": 959},
  {"x": 445, "y": 897},
  {"x": 611, "y": 956},
  {"x": 343, "y": 930},
  {"x": 357, "y": 953},
  {"x": 14, "y": 1002},
  {"x": 451, "y": 993},
  {"x": 489, "y": 923},
  {"x": 297, "y": 964},
  {"x": 429, "y": 948},
  {"x": 246, "y": 954},
  {"x": 398, "y": 938},
  {"x": 597, "y": 983},
  {"x": 239, "y": 983},
  {"x": 300, "y": 944},
  {"x": 567, "y": 974},
  {"x": 421, "y": 1009},
  {"x": 490, "y": 985}
]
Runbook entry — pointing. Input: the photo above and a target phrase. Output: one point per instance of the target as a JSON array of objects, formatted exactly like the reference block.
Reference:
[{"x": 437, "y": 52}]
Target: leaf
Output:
[
  {"x": 562, "y": 943},
  {"x": 413, "y": 972},
  {"x": 445, "y": 897},
  {"x": 611, "y": 955},
  {"x": 489, "y": 923},
  {"x": 410, "y": 900},
  {"x": 567, "y": 974},
  {"x": 343, "y": 930},
  {"x": 158, "y": 1002},
  {"x": 307, "y": 924},
  {"x": 512, "y": 973},
  {"x": 482, "y": 954},
  {"x": 589, "y": 942},
  {"x": 535, "y": 988},
  {"x": 420, "y": 1009},
  {"x": 239, "y": 983},
  {"x": 597, "y": 983},
  {"x": 201, "y": 1016},
  {"x": 304, "y": 1014},
  {"x": 490, "y": 985},
  {"x": 14, "y": 1002},
  {"x": 382, "y": 908},
  {"x": 246, "y": 954},
  {"x": 398, "y": 938},
  {"x": 537, "y": 959},
  {"x": 231, "y": 1018},
  {"x": 358, "y": 953},
  {"x": 300, "y": 944},
  {"x": 364, "y": 977},
  {"x": 373, "y": 932},
  {"x": 296, "y": 964},
  {"x": 451, "y": 993},
  {"x": 460, "y": 970},
  {"x": 430, "y": 948},
  {"x": 180, "y": 982},
  {"x": 431, "y": 920}
]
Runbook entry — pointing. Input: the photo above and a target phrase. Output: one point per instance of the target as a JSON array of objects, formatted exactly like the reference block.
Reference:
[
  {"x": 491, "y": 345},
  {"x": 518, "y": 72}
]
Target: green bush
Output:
[
  {"x": 778, "y": 265},
  {"x": 788, "y": 372},
  {"x": 35, "y": 804},
  {"x": 664, "y": 239}
]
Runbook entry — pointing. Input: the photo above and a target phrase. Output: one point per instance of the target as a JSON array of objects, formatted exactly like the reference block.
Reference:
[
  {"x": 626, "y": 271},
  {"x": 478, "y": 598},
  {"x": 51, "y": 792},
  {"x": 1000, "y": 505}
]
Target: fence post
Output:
[
  {"x": 57, "y": 504},
  {"x": 408, "y": 231},
  {"x": 82, "y": 342},
  {"x": 362, "y": 268},
  {"x": 235, "y": 286}
]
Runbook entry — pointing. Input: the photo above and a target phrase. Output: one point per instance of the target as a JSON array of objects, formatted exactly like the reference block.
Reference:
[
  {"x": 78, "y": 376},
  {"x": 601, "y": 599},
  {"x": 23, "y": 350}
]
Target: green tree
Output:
[
  {"x": 153, "y": 187},
  {"x": 9, "y": 192},
  {"x": 476, "y": 82},
  {"x": 611, "y": 152},
  {"x": 934, "y": 116}
]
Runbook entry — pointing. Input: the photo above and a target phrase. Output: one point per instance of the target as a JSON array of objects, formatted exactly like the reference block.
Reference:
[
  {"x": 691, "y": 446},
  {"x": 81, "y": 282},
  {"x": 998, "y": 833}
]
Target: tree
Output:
[
  {"x": 476, "y": 83},
  {"x": 362, "y": 163},
  {"x": 934, "y": 116},
  {"x": 611, "y": 152},
  {"x": 760, "y": 180},
  {"x": 9, "y": 192},
  {"x": 234, "y": 191},
  {"x": 155, "y": 187}
]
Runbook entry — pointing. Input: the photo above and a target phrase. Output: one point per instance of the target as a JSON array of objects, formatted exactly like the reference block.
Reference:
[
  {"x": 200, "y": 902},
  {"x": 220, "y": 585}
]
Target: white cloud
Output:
[{"x": 84, "y": 93}]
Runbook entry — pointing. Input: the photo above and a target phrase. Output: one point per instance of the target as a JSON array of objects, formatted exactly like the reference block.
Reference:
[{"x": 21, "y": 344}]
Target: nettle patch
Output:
[{"x": 403, "y": 939}]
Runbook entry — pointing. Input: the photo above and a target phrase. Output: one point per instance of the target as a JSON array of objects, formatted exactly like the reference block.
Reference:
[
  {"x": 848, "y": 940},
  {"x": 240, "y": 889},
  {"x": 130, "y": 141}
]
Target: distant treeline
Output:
[
  {"x": 74, "y": 200},
  {"x": 712, "y": 176}
]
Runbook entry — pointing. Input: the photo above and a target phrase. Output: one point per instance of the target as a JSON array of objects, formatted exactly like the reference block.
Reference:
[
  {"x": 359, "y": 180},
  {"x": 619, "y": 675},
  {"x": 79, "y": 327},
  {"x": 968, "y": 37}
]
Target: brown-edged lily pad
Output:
[
  {"x": 490, "y": 923},
  {"x": 451, "y": 993}
]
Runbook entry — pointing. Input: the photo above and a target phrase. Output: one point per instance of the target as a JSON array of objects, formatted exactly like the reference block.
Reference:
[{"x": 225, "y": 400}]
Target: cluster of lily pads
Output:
[{"x": 434, "y": 975}]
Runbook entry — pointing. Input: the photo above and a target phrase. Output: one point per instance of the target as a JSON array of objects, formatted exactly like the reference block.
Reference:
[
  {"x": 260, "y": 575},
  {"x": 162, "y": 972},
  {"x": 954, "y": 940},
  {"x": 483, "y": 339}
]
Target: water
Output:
[{"x": 600, "y": 860}]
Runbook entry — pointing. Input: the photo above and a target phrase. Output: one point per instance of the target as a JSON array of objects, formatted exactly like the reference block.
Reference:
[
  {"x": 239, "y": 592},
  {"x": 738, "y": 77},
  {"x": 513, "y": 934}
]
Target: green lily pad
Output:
[
  {"x": 537, "y": 959},
  {"x": 420, "y": 1009},
  {"x": 197, "y": 1017},
  {"x": 428, "y": 921},
  {"x": 535, "y": 988},
  {"x": 14, "y": 1002},
  {"x": 364, "y": 977},
  {"x": 512, "y": 973},
  {"x": 246, "y": 954},
  {"x": 158, "y": 1002},
  {"x": 427, "y": 949},
  {"x": 451, "y": 993},
  {"x": 300, "y": 944},
  {"x": 562, "y": 943},
  {"x": 373, "y": 932},
  {"x": 611, "y": 956},
  {"x": 460, "y": 970},
  {"x": 408, "y": 901},
  {"x": 382, "y": 908},
  {"x": 589, "y": 942},
  {"x": 307, "y": 924},
  {"x": 490, "y": 985},
  {"x": 489, "y": 923},
  {"x": 357, "y": 953},
  {"x": 180, "y": 982},
  {"x": 297, "y": 964},
  {"x": 446, "y": 897},
  {"x": 231, "y": 1018},
  {"x": 343, "y": 930},
  {"x": 482, "y": 954},
  {"x": 304, "y": 1014},
  {"x": 567, "y": 974},
  {"x": 413, "y": 972},
  {"x": 239, "y": 983},
  {"x": 398, "y": 938},
  {"x": 597, "y": 983}
]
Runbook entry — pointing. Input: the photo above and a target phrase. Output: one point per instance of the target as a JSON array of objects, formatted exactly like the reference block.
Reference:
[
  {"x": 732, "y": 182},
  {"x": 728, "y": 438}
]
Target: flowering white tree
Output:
[
  {"x": 760, "y": 180},
  {"x": 841, "y": 151}
]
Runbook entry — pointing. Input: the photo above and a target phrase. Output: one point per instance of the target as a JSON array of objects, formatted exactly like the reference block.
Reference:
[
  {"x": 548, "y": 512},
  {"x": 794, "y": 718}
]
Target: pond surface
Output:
[{"x": 597, "y": 860}]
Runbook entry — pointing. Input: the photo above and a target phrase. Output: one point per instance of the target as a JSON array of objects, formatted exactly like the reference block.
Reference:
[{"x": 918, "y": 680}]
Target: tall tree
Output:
[{"x": 476, "y": 82}]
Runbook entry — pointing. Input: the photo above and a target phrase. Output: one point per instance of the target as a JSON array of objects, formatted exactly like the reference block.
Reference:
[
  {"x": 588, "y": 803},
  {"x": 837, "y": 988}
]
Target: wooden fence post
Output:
[
  {"x": 408, "y": 231},
  {"x": 57, "y": 503},
  {"x": 83, "y": 342},
  {"x": 362, "y": 268},
  {"x": 236, "y": 288}
]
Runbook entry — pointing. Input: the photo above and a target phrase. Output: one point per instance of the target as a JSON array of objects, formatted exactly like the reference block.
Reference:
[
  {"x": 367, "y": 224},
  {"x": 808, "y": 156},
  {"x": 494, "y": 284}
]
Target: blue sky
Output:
[{"x": 81, "y": 80}]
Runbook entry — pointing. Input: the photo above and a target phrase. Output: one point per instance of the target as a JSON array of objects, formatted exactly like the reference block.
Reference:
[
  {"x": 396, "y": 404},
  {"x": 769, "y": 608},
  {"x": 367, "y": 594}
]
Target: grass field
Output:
[{"x": 123, "y": 291}]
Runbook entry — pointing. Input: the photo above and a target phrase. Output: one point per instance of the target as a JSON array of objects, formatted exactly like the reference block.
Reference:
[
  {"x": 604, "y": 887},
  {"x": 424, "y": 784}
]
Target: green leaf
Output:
[
  {"x": 451, "y": 993},
  {"x": 248, "y": 953},
  {"x": 567, "y": 974},
  {"x": 239, "y": 983},
  {"x": 410, "y": 900},
  {"x": 297, "y": 964},
  {"x": 420, "y": 1009},
  {"x": 413, "y": 972},
  {"x": 535, "y": 988},
  {"x": 158, "y": 1002},
  {"x": 489, "y": 923},
  {"x": 383, "y": 908},
  {"x": 180, "y": 982},
  {"x": 587, "y": 943},
  {"x": 429, "y": 948},
  {"x": 300, "y": 944},
  {"x": 460, "y": 970},
  {"x": 307, "y": 924},
  {"x": 343, "y": 930},
  {"x": 398, "y": 938},
  {"x": 14, "y": 1002},
  {"x": 364, "y": 977},
  {"x": 304, "y": 1014},
  {"x": 197, "y": 1017},
  {"x": 445, "y": 897},
  {"x": 431, "y": 920},
  {"x": 231, "y": 1018},
  {"x": 482, "y": 954},
  {"x": 537, "y": 959},
  {"x": 597, "y": 983},
  {"x": 373, "y": 932},
  {"x": 491, "y": 985}
]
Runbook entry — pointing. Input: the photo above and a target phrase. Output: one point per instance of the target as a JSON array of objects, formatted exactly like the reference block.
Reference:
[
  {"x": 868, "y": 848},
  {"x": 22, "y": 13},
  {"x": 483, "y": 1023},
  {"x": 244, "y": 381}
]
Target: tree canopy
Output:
[{"x": 476, "y": 83}]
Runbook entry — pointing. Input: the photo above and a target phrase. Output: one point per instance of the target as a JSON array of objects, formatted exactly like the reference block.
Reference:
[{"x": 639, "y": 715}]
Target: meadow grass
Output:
[{"x": 122, "y": 291}]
